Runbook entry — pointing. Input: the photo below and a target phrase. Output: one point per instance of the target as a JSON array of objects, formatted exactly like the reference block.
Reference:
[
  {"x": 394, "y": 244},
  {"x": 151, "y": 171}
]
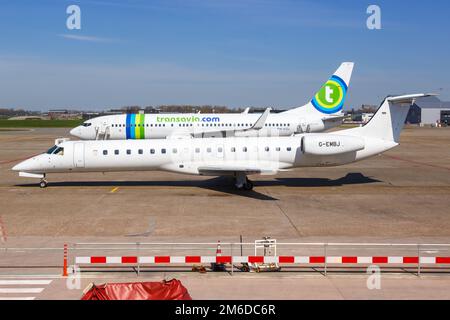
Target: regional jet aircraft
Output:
[
  {"x": 324, "y": 111},
  {"x": 237, "y": 156}
]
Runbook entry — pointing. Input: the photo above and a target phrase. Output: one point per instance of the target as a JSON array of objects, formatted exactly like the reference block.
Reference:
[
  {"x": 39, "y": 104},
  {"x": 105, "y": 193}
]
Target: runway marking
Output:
[
  {"x": 21, "y": 290},
  {"x": 114, "y": 189},
  {"x": 25, "y": 282},
  {"x": 49, "y": 276}
]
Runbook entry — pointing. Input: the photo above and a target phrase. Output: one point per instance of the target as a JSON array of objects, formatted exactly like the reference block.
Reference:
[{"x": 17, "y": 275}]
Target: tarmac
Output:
[{"x": 399, "y": 197}]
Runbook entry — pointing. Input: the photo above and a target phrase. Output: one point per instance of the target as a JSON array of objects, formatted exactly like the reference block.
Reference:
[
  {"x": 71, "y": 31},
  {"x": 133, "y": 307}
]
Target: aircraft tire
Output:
[{"x": 248, "y": 186}]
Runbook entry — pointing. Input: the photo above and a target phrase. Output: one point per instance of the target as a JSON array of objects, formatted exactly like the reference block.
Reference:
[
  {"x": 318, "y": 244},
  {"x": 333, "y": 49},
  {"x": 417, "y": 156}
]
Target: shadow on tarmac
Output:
[{"x": 223, "y": 184}]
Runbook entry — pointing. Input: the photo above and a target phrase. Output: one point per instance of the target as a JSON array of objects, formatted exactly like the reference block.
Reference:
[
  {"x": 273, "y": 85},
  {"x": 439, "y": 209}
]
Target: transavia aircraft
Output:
[
  {"x": 235, "y": 156},
  {"x": 322, "y": 113}
]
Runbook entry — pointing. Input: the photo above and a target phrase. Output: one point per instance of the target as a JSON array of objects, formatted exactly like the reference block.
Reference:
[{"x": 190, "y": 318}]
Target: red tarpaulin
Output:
[{"x": 165, "y": 290}]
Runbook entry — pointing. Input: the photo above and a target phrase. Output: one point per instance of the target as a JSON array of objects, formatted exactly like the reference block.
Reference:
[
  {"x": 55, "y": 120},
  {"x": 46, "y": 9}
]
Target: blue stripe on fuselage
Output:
[
  {"x": 132, "y": 126},
  {"x": 128, "y": 126}
]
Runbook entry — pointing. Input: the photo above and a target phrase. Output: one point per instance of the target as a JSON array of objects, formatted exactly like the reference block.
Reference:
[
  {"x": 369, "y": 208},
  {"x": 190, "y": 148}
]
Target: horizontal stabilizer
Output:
[
  {"x": 340, "y": 117},
  {"x": 410, "y": 98}
]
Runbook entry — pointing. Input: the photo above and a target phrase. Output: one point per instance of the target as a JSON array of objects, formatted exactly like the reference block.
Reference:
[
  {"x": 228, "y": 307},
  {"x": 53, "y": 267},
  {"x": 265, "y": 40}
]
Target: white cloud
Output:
[{"x": 86, "y": 38}]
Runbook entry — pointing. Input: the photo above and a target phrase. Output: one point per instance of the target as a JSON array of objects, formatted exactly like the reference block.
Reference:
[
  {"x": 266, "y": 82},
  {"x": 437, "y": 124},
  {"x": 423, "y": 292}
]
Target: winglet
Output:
[
  {"x": 259, "y": 124},
  {"x": 246, "y": 111}
]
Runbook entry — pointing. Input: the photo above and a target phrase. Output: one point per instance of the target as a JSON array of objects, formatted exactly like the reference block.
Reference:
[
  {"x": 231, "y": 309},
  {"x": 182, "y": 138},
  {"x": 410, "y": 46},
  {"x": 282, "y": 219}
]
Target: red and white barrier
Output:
[{"x": 305, "y": 260}]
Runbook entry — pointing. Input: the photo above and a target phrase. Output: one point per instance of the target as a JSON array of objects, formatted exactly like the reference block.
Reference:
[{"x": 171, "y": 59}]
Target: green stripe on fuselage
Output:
[{"x": 142, "y": 136}]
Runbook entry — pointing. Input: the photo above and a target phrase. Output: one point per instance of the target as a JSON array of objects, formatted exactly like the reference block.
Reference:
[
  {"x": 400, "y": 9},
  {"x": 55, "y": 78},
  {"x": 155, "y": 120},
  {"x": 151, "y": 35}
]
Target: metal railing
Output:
[{"x": 52, "y": 257}]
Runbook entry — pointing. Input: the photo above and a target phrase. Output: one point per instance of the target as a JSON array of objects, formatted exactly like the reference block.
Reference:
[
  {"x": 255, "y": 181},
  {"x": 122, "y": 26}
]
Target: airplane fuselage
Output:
[
  {"x": 160, "y": 126},
  {"x": 187, "y": 155}
]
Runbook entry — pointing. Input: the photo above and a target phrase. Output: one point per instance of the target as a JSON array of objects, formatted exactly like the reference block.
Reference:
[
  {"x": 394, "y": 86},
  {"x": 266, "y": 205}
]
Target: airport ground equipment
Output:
[{"x": 268, "y": 247}]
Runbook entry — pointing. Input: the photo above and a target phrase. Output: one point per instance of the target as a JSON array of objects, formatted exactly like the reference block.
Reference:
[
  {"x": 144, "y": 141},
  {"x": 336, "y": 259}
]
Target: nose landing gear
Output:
[{"x": 43, "y": 183}]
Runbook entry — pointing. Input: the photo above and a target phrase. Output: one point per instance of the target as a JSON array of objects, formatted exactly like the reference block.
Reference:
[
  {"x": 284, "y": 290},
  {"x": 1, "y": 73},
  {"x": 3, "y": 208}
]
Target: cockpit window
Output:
[
  {"x": 56, "y": 150},
  {"x": 52, "y": 149},
  {"x": 86, "y": 124},
  {"x": 59, "y": 151}
]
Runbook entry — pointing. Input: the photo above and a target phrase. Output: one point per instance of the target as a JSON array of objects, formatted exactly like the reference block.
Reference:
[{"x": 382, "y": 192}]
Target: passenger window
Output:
[
  {"x": 244, "y": 149},
  {"x": 208, "y": 150},
  {"x": 105, "y": 152},
  {"x": 152, "y": 151},
  {"x": 233, "y": 149},
  {"x": 220, "y": 150},
  {"x": 278, "y": 149},
  {"x": 128, "y": 151},
  {"x": 163, "y": 151},
  {"x": 116, "y": 152},
  {"x": 267, "y": 149},
  {"x": 140, "y": 151},
  {"x": 174, "y": 150},
  {"x": 289, "y": 149},
  {"x": 197, "y": 150}
]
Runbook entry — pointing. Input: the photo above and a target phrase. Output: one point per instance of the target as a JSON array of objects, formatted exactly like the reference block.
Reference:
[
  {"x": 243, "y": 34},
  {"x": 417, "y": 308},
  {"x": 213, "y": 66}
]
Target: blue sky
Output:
[{"x": 221, "y": 52}]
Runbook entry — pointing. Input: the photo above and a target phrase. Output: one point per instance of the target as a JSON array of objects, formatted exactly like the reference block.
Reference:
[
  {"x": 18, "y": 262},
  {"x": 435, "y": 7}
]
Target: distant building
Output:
[
  {"x": 429, "y": 111},
  {"x": 63, "y": 114}
]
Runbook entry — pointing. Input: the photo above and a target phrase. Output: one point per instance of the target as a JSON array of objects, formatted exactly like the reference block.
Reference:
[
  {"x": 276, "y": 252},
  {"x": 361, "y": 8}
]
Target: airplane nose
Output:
[
  {"x": 21, "y": 166},
  {"x": 27, "y": 165},
  {"x": 76, "y": 132}
]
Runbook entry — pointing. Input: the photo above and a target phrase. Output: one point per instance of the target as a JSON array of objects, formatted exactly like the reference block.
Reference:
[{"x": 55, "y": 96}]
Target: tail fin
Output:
[
  {"x": 388, "y": 121},
  {"x": 331, "y": 97}
]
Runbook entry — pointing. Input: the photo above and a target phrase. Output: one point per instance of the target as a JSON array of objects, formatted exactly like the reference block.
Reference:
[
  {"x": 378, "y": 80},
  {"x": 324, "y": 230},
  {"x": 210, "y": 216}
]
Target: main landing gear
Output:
[{"x": 243, "y": 183}]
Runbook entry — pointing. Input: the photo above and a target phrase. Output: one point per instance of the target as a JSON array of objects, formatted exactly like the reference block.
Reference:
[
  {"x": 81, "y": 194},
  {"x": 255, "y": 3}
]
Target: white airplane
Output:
[
  {"x": 322, "y": 113},
  {"x": 236, "y": 156}
]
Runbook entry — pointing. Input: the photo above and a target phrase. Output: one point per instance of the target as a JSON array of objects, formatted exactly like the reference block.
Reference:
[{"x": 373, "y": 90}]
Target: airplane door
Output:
[{"x": 78, "y": 155}]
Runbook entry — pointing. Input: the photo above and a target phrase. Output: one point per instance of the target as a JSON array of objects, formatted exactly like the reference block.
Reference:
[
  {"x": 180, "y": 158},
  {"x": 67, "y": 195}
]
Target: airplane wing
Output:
[
  {"x": 258, "y": 125},
  {"x": 230, "y": 170}
]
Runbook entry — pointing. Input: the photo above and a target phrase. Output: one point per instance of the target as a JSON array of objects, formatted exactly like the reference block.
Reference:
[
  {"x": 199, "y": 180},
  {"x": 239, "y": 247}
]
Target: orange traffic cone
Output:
[
  {"x": 219, "y": 250},
  {"x": 218, "y": 266}
]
